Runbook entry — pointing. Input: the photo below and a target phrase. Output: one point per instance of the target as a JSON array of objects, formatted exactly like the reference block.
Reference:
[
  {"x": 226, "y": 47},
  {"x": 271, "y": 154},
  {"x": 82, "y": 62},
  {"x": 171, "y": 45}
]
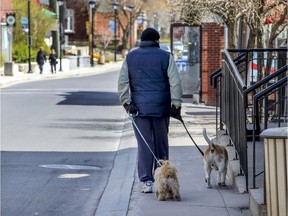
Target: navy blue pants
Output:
[{"x": 155, "y": 131}]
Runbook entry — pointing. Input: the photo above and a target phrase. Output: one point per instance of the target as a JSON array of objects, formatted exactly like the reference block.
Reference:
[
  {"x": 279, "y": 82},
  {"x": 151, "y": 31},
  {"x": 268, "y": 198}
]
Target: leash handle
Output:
[{"x": 131, "y": 117}]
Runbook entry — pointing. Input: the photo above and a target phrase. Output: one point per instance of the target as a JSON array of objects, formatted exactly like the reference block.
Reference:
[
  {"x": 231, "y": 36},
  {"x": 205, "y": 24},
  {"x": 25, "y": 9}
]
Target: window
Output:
[{"x": 69, "y": 27}]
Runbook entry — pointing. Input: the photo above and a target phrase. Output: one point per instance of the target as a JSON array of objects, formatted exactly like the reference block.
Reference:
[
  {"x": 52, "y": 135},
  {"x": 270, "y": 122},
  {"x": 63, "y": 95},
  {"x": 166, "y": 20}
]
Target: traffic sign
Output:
[{"x": 10, "y": 19}]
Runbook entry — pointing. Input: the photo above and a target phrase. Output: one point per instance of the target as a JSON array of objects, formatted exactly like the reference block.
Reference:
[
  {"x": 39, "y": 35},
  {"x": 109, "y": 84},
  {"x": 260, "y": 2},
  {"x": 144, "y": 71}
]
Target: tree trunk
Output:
[
  {"x": 125, "y": 38},
  {"x": 232, "y": 35}
]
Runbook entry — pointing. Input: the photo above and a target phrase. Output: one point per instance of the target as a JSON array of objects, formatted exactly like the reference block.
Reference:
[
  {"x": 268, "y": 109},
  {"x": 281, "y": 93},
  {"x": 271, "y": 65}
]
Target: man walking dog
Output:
[{"x": 149, "y": 88}]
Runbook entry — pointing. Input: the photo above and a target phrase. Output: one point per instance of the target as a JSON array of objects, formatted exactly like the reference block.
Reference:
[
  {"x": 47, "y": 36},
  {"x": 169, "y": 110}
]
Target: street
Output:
[{"x": 59, "y": 139}]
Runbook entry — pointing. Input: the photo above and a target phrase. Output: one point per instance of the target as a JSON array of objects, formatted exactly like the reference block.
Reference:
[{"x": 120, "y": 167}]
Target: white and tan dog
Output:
[
  {"x": 215, "y": 157},
  {"x": 166, "y": 182}
]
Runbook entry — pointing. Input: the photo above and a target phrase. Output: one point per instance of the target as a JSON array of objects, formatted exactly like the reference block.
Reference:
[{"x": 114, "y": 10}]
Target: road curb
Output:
[{"x": 116, "y": 197}]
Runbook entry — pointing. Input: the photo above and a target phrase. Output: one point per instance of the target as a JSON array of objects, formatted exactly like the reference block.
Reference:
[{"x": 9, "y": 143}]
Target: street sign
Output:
[
  {"x": 88, "y": 27},
  {"x": 24, "y": 23},
  {"x": 10, "y": 19},
  {"x": 112, "y": 25}
]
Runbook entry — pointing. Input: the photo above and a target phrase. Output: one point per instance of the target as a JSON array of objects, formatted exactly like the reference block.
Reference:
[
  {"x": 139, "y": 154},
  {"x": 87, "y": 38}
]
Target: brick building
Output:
[
  {"x": 212, "y": 44},
  {"x": 6, "y": 7}
]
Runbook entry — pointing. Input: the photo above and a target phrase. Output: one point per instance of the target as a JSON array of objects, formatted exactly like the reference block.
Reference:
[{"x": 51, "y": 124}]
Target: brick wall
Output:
[
  {"x": 6, "y": 7},
  {"x": 212, "y": 44},
  {"x": 81, "y": 16}
]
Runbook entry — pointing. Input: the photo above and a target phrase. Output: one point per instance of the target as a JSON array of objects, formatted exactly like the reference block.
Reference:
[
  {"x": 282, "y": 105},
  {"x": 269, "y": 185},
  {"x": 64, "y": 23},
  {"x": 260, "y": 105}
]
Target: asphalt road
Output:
[{"x": 58, "y": 144}]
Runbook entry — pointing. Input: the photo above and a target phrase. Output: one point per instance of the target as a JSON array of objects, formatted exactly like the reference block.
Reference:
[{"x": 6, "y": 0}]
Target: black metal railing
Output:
[
  {"x": 232, "y": 111},
  {"x": 256, "y": 88},
  {"x": 259, "y": 63},
  {"x": 238, "y": 86},
  {"x": 215, "y": 80},
  {"x": 276, "y": 89}
]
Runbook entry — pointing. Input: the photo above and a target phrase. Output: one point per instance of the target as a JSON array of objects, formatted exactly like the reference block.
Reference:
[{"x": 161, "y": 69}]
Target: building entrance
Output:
[{"x": 185, "y": 47}]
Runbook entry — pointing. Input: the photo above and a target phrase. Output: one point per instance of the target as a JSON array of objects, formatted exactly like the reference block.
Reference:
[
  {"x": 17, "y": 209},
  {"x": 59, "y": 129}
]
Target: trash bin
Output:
[{"x": 276, "y": 168}]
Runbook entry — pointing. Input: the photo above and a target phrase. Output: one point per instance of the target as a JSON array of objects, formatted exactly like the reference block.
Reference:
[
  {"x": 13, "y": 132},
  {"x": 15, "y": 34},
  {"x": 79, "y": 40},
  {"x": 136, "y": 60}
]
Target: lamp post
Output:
[
  {"x": 92, "y": 7},
  {"x": 60, "y": 3},
  {"x": 29, "y": 39},
  {"x": 115, "y": 6},
  {"x": 130, "y": 8}
]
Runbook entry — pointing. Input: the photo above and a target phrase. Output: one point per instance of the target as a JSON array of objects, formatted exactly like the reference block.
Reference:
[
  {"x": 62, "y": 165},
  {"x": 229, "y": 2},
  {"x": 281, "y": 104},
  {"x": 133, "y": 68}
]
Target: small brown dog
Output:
[
  {"x": 166, "y": 182},
  {"x": 215, "y": 157}
]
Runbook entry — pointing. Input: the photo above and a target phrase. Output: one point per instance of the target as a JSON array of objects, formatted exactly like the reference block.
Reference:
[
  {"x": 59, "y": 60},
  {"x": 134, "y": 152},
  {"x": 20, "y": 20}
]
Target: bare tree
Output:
[
  {"x": 139, "y": 6},
  {"x": 253, "y": 12},
  {"x": 123, "y": 16},
  {"x": 104, "y": 36},
  {"x": 224, "y": 12}
]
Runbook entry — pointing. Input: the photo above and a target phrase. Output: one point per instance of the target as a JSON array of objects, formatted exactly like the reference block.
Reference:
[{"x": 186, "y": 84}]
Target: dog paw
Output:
[
  {"x": 208, "y": 186},
  {"x": 178, "y": 198},
  {"x": 161, "y": 199},
  {"x": 221, "y": 184}
]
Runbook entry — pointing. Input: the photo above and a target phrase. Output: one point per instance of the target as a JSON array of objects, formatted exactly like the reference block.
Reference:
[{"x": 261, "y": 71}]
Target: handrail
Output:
[
  {"x": 216, "y": 73},
  {"x": 215, "y": 78},
  {"x": 232, "y": 113},
  {"x": 257, "y": 49},
  {"x": 265, "y": 80},
  {"x": 256, "y": 97},
  {"x": 234, "y": 68},
  {"x": 270, "y": 88}
]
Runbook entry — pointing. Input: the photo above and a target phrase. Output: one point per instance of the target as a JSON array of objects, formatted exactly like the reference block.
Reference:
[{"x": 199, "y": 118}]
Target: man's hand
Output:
[
  {"x": 131, "y": 108},
  {"x": 176, "y": 112}
]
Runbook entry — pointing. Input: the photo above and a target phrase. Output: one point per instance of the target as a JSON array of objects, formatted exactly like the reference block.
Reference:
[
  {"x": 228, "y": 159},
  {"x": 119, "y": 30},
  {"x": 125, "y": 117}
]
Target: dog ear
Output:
[{"x": 206, "y": 137}]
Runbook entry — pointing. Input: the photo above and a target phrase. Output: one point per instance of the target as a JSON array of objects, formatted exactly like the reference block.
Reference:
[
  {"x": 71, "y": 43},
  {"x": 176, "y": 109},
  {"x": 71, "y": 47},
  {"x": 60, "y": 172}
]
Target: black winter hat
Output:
[{"x": 150, "y": 34}]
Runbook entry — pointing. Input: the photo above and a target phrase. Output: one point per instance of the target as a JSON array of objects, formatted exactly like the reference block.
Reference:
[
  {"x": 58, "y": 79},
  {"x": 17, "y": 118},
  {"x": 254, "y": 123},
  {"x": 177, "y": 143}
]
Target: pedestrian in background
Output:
[
  {"x": 53, "y": 60},
  {"x": 149, "y": 88},
  {"x": 41, "y": 59}
]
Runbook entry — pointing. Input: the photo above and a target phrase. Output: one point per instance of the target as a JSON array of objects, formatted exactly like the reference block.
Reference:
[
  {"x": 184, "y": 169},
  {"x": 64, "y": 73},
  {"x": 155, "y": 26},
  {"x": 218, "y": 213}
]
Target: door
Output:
[{"x": 185, "y": 44}]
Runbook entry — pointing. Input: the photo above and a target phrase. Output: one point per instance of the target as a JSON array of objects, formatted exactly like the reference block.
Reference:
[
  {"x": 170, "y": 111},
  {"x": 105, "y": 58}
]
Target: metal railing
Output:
[
  {"x": 259, "y": 63},
  {"x": 238, "y": 83},
  {"x": 232, "y": 111},
  {"x": 277, "y": 88},
  {"x": 215, "y": 82},
  {"x": 257, "y": 87}
]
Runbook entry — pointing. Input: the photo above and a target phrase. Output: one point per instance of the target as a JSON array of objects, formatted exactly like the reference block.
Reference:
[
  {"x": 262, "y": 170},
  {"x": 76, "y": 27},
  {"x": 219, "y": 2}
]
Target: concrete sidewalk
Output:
[
  {"x": 24, "y": 77},
  {"x": 122, "y": 195}
]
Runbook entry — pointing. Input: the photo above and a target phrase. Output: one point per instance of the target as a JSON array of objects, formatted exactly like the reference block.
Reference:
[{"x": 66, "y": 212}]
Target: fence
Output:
[
  {"x": 232, "y": 113},
  {"x": 237, "y": 102}
]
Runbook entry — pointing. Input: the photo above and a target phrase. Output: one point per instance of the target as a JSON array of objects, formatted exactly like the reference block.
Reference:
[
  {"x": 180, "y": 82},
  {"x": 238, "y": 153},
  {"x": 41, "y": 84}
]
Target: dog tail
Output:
[{"x": 206, "y": 137}]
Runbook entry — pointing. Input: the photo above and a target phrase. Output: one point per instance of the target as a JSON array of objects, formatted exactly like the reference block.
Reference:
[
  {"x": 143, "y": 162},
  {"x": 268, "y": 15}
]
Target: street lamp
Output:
[
  {"x": 60, "y": 3},
  {"x": 115, "y": 6},
  {"x": 92, "y": 7},
  {"x": 29, "y": 38},
  {"x": 130, "y": 8}
]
